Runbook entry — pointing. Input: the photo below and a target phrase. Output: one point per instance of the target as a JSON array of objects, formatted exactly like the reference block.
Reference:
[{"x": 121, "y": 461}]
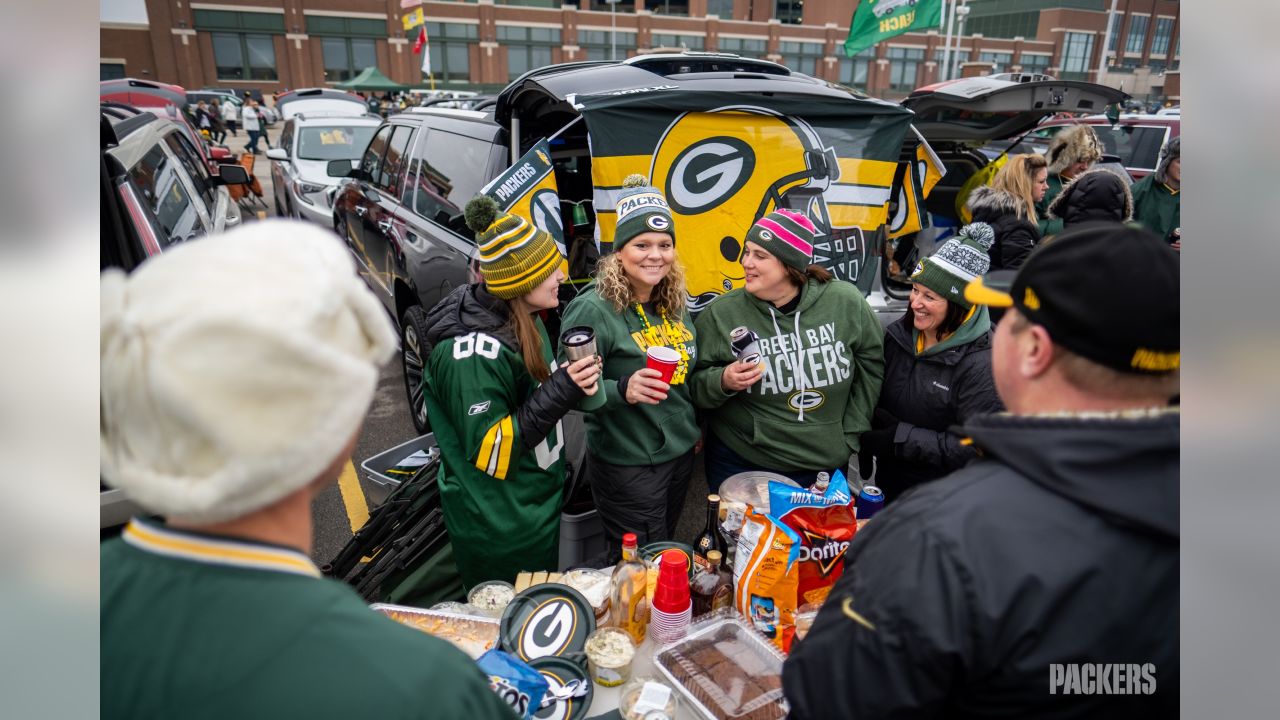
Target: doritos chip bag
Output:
[
  {"x": 792, "y": 555},
  {"x": 825, "y": 525},
  {"x": 519, "y": 685}
]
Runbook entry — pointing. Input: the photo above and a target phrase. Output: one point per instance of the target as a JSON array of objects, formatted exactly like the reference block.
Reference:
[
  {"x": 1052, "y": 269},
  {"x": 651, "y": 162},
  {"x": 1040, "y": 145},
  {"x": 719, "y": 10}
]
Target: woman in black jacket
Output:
[
  {"x": 1008, "y": 205},
  {"x": 937, "y": 370}
]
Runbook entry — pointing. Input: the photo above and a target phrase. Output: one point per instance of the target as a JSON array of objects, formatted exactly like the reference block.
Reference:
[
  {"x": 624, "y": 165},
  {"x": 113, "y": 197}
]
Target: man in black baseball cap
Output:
[{"x": 1042, "y": 579}]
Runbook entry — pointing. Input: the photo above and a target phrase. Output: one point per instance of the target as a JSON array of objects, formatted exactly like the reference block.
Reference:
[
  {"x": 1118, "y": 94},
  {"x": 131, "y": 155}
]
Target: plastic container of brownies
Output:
[{"x": 725, "y": 669}]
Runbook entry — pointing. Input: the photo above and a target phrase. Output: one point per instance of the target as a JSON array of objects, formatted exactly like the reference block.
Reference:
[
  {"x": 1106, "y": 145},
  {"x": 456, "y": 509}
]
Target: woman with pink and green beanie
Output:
[{"x": 800, "y": 409}]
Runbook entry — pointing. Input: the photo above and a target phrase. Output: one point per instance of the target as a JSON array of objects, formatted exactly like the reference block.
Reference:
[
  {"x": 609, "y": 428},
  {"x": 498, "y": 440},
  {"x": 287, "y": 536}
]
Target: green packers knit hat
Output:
[
  {"x": 515, "y": 256},
  {"x": 1104, "y": 290},
  {"x": 959, "y": 260},
  {"x": 641, "y": 209},
  {"x": 787, "y": 235}
]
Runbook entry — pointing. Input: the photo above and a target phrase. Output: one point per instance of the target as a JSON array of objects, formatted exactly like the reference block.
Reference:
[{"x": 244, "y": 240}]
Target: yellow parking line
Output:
[{"x": 353, "y": 497}]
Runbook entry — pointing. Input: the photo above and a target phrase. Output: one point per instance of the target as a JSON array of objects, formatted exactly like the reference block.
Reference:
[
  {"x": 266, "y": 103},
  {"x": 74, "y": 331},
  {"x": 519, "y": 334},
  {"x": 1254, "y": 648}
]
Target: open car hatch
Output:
[{"x": 982, "y": 109}]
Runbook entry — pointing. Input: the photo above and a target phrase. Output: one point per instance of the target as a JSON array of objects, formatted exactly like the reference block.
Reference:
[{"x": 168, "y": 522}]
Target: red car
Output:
[
  {"x": 164, "y": 100},
  {"x": 1135, "y": 139}
]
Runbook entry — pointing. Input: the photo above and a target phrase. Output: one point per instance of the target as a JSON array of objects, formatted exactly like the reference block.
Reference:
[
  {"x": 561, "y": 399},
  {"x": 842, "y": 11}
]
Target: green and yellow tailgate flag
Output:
[
  {"x": 528, "y": 189},
  {"x": 912, "y": 184},
  {"x": 877, "y": 20},
  {"x": 977, "y": 180}
]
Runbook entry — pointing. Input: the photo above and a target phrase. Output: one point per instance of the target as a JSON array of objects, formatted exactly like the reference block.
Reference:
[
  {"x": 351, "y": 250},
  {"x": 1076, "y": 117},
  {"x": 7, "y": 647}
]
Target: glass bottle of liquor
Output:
[
  {"x": 628, "y": 606},
  {"x": 712, "y": 587},
  {"x": 710, "y": 538}
]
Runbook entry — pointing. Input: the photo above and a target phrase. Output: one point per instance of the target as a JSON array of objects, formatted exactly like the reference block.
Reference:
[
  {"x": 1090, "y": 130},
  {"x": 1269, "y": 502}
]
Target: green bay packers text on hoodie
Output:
[{"x": 823, "y": 362}]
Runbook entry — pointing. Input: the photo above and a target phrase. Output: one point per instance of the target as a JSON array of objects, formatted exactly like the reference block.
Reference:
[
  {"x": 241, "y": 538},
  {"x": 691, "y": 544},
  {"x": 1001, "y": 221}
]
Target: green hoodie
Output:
[
  {"x": 789, "y": 421},
  {"x": 618, "y": 432},
  {"x": 1156, "y": 206}
]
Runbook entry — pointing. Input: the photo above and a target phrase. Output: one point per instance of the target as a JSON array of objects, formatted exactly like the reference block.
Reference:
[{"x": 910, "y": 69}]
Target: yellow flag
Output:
[{"x": 980, "y": 178}]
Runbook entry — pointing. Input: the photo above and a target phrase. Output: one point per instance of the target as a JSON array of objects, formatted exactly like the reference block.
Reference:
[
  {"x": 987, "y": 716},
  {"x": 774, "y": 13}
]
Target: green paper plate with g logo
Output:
[{"x": 546, "y": 620}]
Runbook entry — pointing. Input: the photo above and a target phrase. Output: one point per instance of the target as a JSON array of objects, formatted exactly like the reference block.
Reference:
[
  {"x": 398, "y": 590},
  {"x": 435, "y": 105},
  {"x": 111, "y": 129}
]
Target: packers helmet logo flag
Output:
[
  {"x": 723, "y": 169},
  {"x": 724, "y": 159}
]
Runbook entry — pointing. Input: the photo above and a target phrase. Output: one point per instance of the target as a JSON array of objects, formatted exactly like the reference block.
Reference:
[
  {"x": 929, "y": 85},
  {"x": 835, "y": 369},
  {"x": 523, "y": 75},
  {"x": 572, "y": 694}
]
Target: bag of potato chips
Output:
[
  {"x": 792, "y": 555},
  {"x": 825, "y": 525}
]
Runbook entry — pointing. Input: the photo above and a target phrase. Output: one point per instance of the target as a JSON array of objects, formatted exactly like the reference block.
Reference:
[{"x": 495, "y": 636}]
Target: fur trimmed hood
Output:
[
  {"x": 987, "y": 201},
  {"x": 1078, "y": 143},
  {"x": 1170, "y": 152},
  {"x": 1097, "y": 194}
]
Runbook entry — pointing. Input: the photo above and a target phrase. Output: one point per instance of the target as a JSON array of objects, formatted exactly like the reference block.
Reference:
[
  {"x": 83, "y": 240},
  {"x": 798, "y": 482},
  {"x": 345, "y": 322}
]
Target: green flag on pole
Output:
[{"x": 877, "y": 20}]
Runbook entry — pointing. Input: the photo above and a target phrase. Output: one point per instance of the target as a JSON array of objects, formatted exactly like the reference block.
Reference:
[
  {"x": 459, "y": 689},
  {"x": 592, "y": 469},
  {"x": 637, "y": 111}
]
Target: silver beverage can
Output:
[{"x": 740, "y": 338}]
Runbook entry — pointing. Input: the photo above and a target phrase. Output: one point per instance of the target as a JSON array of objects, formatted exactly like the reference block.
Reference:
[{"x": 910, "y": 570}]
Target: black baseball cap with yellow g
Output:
[{"x": 1106, "y": 291}]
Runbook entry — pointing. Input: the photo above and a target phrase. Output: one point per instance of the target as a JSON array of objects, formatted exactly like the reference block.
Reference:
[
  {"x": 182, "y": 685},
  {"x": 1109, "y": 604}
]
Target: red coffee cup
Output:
[
  {"x": 671, "y": 595},
  {"x": 664, "y": 360}
]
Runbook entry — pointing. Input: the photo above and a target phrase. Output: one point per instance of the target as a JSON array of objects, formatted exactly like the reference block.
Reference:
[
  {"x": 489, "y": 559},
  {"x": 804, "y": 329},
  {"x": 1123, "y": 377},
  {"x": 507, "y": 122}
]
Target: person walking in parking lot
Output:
[
  {"x": 1157, "y": 198},
  {"x": 495, "y": 397},
  {"x": 252, "y": 124},
  {"x": 937, "y": 371},
  {"x": 231, "y": 396},
  {"x": 641, "y": 434},
  {"x": 230, "y": 116},
  {"x": 1002, "y": 589},
  {"x": 801, "y": 408},
  {"x": 219, "y": 125},
  {"x": 1071, "y": 152}
]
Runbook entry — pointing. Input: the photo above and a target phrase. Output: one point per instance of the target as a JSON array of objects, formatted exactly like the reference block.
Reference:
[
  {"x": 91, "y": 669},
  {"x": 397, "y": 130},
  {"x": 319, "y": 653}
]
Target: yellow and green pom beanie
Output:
[{"x": 515, "y": 256}]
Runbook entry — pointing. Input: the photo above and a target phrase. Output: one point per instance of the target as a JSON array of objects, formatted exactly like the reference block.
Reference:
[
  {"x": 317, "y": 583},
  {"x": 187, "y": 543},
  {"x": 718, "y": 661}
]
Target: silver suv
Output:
[{"x": 308, "y": 142}]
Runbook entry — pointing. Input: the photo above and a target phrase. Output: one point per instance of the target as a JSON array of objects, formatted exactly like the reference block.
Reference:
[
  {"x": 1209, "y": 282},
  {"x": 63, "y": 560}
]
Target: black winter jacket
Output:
[
  {"x": 964, "y": 599},
  {"x": 1097, "y": 194},
  {"x": 928, "y": 395},
  {"x": 1015, "y": 236}
]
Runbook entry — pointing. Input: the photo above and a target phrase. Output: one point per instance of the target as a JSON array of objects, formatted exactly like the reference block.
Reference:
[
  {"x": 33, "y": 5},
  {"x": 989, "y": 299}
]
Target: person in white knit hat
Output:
[{"x": 236, "y": 373}]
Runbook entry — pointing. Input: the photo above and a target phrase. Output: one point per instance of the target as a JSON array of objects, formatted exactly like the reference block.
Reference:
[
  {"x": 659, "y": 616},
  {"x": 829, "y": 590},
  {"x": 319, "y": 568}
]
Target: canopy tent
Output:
[{"x": 371, "y": 79}]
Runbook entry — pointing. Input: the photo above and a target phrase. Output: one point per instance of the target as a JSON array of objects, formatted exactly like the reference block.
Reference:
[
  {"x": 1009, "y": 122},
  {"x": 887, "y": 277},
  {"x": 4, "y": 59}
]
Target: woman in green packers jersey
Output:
[
  {"x": 641, "y": 431},
  {"x": 495, "y": 399}
]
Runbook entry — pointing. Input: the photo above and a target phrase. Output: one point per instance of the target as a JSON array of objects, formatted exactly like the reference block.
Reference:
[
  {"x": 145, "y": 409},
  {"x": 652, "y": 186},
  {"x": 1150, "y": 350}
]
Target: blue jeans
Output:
[
  {"x": 253, "y": 140},
  {"x": 722, "y": 462}
]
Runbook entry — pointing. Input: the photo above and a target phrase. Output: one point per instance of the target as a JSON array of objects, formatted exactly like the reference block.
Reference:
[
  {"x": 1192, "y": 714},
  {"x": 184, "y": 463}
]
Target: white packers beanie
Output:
[{"x": 235, "y": 368}]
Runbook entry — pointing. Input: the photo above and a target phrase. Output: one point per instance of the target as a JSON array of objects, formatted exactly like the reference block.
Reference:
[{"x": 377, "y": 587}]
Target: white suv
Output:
[{"x": 307, "y": 144}]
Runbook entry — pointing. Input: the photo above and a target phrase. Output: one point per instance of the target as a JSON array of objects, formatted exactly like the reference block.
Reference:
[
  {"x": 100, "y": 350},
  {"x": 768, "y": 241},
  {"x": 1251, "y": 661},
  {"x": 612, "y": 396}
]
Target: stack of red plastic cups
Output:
[{"x": 672, "y": 606}]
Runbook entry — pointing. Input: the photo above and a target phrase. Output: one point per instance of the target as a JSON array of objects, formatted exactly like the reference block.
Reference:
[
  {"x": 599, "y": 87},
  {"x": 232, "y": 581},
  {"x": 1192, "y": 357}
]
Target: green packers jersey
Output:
[{"x": 501, "y": 501}]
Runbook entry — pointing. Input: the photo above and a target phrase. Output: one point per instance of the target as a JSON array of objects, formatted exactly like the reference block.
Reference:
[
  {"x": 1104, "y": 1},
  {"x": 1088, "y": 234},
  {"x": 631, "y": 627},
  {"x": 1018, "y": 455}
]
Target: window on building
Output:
[
  {"x": 1164, "y": 31},
  {"x": 1137, "y": 33},
  {"x": 449, "y": 53},
  {"x": 1035, "y": 63},
  {"x": 528, "y": 48},
  {"x": 853, "y": 70},
  {"x": 1127, "y": 64},
  {"x": 533, "y": 3},
  {"x": 110, "y": 71},
  {"x": 961, "y": 56},
  {"x": 746, "y": 47},
  {"x": 1077, "y": 49},
  {"x": 666, "y": 40},
  {"x": 599, "y": 46},
  {"x": 240, "y": 56},
  {"x": 667, "y": 7},
  {"x": 720, "y": 8},
  {"x": 344, "y": 58},
  {"x": 1000, "y": 60},
  {"x": 801, "y": 56},
  {"x": 1157, "y": 66},
  {"x": 903, "y": 66},
  {"x": 1114, "y": 38},
  {"x": 788, "y": 11}
]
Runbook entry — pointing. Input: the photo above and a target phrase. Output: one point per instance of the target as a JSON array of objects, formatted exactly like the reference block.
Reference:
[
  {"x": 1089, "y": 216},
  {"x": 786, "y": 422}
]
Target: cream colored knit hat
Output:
[{"x": 235, "y": 368}]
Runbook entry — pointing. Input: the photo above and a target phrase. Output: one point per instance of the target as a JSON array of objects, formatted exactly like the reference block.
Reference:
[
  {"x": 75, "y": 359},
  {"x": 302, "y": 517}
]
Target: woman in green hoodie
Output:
[
  {"x": 800, "y": 410},
  {"x": 937, "y": 370},
  {"x": 641, "y": 431}
]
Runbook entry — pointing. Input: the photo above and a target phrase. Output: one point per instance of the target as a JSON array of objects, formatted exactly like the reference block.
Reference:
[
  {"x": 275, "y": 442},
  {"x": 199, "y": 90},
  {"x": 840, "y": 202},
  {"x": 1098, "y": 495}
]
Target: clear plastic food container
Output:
[
  {"x": 472, "y": 635},
  {"x": 725, "y": 669}
]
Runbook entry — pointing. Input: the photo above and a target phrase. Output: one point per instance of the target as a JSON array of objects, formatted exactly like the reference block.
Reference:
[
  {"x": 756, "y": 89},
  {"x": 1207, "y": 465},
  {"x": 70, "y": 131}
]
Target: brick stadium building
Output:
[{"x": 271, "y": 45}]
